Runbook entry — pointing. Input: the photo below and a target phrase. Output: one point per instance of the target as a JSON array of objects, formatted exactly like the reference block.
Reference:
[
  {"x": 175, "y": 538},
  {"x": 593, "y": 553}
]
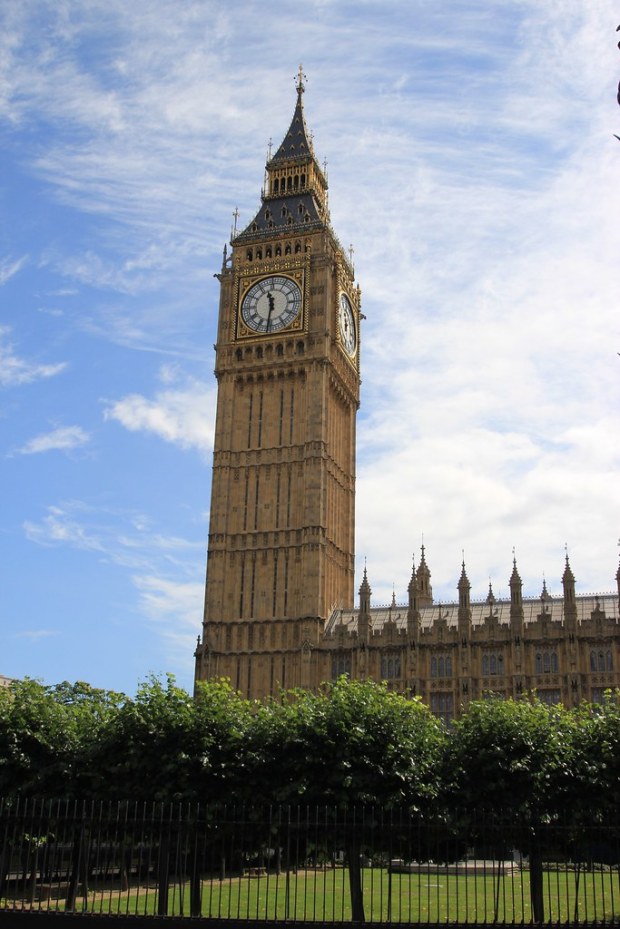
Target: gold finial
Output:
[{"x": 301, "y": 77}]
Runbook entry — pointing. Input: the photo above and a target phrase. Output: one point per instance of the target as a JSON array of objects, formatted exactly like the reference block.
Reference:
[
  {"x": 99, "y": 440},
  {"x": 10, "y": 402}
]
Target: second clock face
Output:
[
  {"x": 347, "y": 325},
  {"x": 271, "y": 304}
]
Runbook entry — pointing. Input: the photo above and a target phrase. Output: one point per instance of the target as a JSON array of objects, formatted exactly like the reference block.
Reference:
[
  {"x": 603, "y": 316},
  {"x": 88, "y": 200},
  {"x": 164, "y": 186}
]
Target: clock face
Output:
[
  {"x": 271, "y": 304},
  {"x": 347, "y": 325}
]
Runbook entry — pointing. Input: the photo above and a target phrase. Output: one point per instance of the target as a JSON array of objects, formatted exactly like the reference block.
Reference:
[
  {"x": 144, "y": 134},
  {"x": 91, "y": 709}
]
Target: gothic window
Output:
[
  {"x": 441, "y": 665},
  {"x": 601, "y": 660},
  {"x": 239, "y": 354},
  {"x": 259, "y": 253},
  {"x": 546, "y": 662},
  {"x": 279, "y": 350},
  {"x": 268, "y": 251},
  {"x": 297, "y": 247},
  {"x": 250, "y": 255},
  {"x": 287, "y": 250},
  {"x": 289, "y": 183},
  {"x": 390, "y": 666},
  {"x": 259, "y": 352},
  {"x": 267, "y": 214},
  {"x": 303, "y": 180},
  {"x": 492, "y": 663},
  {"x": 278, "y": 251},
  {"x": 341, "y": 664},
  {"x": 283, "y": 211},
  {"x": 550, "y": 697},
  {"x": 442, "y": 705}
]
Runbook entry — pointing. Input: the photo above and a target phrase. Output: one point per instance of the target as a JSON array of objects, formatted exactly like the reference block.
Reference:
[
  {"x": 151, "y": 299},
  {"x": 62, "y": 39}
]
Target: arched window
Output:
[
  {"x": 303, "y": 180},
  {"x": 278, "y": 251},
  {"x": 554, "y": 662},
  {"x": 433, "y": 667},
  {"x": 275, "y": 186},
  {"x": 249, "y": 255}
]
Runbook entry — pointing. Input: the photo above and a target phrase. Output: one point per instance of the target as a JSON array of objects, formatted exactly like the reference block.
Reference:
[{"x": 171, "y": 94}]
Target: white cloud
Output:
[
  {"x": 15, "y": 371},
  {"x": 10, "y": 267},
  {"x": 182, "y": 417},
  {"x": 65, "y": 438}
]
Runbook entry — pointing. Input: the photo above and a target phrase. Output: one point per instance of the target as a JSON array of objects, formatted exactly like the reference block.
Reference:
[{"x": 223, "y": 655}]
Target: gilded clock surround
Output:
[{"x": 248, "y": 279}]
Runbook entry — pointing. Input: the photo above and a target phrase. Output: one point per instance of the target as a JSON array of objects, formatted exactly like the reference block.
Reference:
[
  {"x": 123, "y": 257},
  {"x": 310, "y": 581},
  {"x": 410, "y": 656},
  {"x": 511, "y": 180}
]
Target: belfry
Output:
[{"x": 281, "y": 536}]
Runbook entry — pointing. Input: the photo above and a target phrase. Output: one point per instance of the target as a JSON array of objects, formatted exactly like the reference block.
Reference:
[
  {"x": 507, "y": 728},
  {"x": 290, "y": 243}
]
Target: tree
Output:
[
  {"x": 351, "y": 743},
  {"x": 166, "y": 745},
  {"x": 513, "y": 758}
]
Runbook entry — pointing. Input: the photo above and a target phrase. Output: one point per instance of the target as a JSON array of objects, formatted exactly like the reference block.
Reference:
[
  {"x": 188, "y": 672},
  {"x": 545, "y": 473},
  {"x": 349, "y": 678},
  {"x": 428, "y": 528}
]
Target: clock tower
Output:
[{"x": 281, "y": 536}]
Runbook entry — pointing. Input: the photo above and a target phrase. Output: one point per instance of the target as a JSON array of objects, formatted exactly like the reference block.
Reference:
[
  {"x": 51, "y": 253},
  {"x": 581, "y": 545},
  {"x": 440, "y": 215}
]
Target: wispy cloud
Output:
[
  {"x": 65, "y": 438},
  {"x": 15, "y": 371},
  {"x": 11, "y": 266}
]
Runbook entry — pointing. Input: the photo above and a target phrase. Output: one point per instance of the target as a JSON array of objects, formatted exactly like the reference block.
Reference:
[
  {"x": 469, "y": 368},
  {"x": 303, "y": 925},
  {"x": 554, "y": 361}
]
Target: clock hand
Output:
[{"x": 271, "y": 300}]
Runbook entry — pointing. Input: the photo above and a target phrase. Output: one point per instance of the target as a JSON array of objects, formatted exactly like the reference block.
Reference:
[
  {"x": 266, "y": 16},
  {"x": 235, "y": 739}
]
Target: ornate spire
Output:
[
  {"x": 295, "y": 192},
  {"x": 491, "y": 596},
  {"x": 423, "y": 576},
  {"x": 297, "y": 143}
]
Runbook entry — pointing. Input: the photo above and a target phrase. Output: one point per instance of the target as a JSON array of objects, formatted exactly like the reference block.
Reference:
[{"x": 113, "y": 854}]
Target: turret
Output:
[
  {"x": 464, "y": 615},
  {"x": 413, "y": 613},
  {"x": 570, "y": 605},
  {"x": 423, "y": 576},
  {"x": 516, "y": 602},
  {"x": 363, "y": 619}
]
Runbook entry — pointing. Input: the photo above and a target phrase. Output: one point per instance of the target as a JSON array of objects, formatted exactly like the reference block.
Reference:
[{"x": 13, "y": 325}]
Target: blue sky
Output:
[{"x": 472, "y": 166}]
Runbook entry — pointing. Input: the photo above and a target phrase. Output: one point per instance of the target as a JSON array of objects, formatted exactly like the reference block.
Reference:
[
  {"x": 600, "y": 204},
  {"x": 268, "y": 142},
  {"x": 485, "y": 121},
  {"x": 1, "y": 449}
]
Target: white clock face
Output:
[
  {"x": 347, "y": 325},
  {"x": 271, "y": 304}
]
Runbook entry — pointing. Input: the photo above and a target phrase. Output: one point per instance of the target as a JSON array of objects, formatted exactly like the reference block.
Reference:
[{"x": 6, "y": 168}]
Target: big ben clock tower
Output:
[{"x": 281, "y": 535}]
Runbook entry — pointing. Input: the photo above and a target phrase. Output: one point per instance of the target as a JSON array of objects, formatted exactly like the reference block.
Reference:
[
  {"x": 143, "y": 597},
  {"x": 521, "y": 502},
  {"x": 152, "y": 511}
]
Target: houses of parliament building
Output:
[{"x": 279, "y": 601}]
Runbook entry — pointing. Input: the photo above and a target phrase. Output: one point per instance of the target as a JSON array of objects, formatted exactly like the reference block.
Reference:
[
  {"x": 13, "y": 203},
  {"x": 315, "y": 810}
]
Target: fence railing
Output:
[{"x": 304, "y": 864}]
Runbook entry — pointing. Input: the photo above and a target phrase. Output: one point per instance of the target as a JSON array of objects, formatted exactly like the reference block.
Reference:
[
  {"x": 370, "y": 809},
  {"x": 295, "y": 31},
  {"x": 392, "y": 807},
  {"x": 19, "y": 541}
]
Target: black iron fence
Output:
[{"x": 294, "y": 864}]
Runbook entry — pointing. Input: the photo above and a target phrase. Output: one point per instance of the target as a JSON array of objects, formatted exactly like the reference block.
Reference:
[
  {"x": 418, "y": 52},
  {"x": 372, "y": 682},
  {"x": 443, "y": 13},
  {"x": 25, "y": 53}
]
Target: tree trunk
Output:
[
  {"x": 355, "y": 881},
  {"x": 163, "y": 876},
  {"x": 536, "y": 881}
]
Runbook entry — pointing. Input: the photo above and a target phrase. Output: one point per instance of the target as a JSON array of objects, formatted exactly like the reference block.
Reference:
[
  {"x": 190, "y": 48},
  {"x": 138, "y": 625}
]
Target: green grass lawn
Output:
[{"x": 323, "y": 896}]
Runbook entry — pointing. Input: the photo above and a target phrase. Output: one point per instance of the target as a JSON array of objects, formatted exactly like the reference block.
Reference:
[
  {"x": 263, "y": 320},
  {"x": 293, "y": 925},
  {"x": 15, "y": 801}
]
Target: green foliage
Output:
[
  {"x": 511, "y": 755},
  {"x": 49, "y": 736},
  {"x": 165, "y": 745},
  {"x": 596, "y": 756},
  {"x": 352, "y": 742}
]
